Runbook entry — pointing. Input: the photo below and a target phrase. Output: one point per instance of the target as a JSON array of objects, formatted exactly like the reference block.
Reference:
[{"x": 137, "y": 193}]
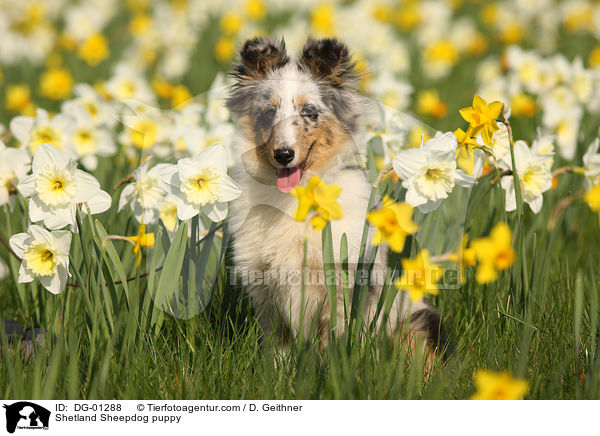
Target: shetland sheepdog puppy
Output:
[{"x": 298, "y": 119}]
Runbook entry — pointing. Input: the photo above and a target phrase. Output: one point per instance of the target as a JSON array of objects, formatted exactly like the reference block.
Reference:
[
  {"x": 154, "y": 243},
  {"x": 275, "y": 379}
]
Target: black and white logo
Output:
[{"x": 26, "y": 415}]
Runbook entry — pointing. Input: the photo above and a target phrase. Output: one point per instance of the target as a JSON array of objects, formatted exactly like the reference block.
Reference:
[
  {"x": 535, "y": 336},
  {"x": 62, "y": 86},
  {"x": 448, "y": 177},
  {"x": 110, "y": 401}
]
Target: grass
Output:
[
  {"x": 104, "y": 347},
  {"x": 540, "y": 320}
]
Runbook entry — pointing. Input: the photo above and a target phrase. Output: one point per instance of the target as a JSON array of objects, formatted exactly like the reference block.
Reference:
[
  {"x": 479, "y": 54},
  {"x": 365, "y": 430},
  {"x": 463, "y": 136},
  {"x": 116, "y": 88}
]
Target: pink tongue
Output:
[{"x": 288, "y": 179}]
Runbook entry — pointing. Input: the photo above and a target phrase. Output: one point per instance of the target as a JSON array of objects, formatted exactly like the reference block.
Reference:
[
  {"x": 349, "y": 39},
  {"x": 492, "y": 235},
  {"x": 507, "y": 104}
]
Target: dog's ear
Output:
[
  {"x": 260, "y": 55},
  {"x": 330, "y": 60}
]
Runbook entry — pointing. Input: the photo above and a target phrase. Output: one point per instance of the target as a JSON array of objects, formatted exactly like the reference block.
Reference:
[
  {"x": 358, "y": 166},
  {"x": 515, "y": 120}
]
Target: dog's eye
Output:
[
  {"x": 309, "y": 111},
  {"x": 266, "y": 118}
]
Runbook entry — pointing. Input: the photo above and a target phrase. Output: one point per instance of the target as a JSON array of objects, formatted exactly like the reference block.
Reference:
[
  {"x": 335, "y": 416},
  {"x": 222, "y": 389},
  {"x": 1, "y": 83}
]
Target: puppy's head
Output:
[{"x": 298, "y": 115}]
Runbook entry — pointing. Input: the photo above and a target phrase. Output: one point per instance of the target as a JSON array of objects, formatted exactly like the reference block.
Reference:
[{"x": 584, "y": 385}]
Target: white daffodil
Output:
[
  {"x": 168, "y": 213},
  {"x": 45, "y": 256},
  {"x": 145, "y": 195},
  {"x": 146, "y": 129},
  {"x": 429, "y": 173},
  {"x": 15, "y": 163},
  {"x": 562, "y": 114},
  {"x": 216, "y": 110},
  {"x": 83, "y": 20},
  {"x": 526, "y": 66},
  {"x": 534, "y": 177},
  {"x": 582, "y": 81},
  {"x": 56, "y": 187},
  {"x": 128, "y": 83},
  {"x": 591, "y": 164},
  {"x": 387, "y": 131},
  {"x": 543, "y": 145},
  {"x": 100, "y": 111},
  {"x": 186, "y": 136},
  {"x": 201, "y": 183},
  {"x": 41, "y": 129},
  {"x": 391, "y": 91},
  {"x": 187, "y": 139},
  {"x": 202, "y": 138},
  {"x": 87, "y": 141}
]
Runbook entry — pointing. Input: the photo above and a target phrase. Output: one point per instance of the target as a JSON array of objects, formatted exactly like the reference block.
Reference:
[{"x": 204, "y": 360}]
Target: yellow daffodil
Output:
[
  {"x": 419, "y": 276},
  {"x": 181, "y": 96},
  {"x": 140, "y": 24},
  {"x": 469, "y": 156},
  {"x": 231, "y": 23},
  {"x": 18, "y": 99},
  {"x": 94, "y": 49},
  {"x": 429, "y": 103},
  {"x": 224, "y": 49},
  {"x": 498, "y": 386},
  {"x": 464, "y": 152},
  {"x": 144, "y": 133},
  {"x": 408, "y": 16},
  {"x": 322, "y": 20},
  {"x": 466, "y": 143},
  {"x": 416, "y": 134},
  {"x": 319, "y": 198},
  {"x": 523, "y": 105},
  {"x": 56, "y": 84},
  {"x": 443, "y": 52},
  {"x": 393, "y": 223},
  {"x": 142, "y": 239},
  {"x": 592, "y": 198},
  {"x": 383, "y": 12},
  {"x": 162, "y": 88},
  {"x": 464, "y": 257},
  {"x": 256, "y": 9},
  {"x": 594, "y": 57},
  {"x": 494, "y": 253},
  {"x": 482, "y": 118}
]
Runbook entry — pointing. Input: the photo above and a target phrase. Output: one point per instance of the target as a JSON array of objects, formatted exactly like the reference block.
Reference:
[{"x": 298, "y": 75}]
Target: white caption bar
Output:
[{"x": 90, "y": 418}]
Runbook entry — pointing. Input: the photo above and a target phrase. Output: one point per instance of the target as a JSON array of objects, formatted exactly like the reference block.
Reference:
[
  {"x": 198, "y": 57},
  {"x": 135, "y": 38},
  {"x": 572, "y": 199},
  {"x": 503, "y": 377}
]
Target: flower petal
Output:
[
  {"x": 62, "y": 241},
  {"x": 536, "y": 203},
  {"x": 21, "y": 127},
  {"x": 38, "y": 211},
  {"x": 185, "y": 210},
  {"x": 55, "y": 283},
  {"x": 462, "y": 179},
  {"x": 407, "y": 162},
  {"x": 26, "y": 186},
  {"x": 19, "y": 242},
  {"x": 188, "y": 168},
  {"x": 414, "y": 198},
  {"x": 169, "y": 179},
  {"x": 61, "y": 218},
  {"x": 216, "y": 211},
  {"x": 215, "y": 155},
  {"x": 46, "y": 155},
  {"x": 99, "y": 203},
  {"x": 87, "y": 186},
  {"x": 229, "y": 189},
  {"x": 24, "y": 275},
  {"x": 127, "y": 196}
]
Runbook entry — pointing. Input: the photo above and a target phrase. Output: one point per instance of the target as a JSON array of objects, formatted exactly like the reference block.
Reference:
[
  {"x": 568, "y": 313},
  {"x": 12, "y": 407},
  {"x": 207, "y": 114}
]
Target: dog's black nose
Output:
[{"x": 284, "y": 155}]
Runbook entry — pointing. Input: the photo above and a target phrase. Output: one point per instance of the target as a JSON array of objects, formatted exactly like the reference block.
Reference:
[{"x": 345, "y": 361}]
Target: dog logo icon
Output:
[{"x": 26, "y": 415}]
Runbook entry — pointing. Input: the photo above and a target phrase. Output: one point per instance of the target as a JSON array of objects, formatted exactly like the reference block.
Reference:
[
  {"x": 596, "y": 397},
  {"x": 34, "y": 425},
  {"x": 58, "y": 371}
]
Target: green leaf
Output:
[
  {"x": 330, "y": 273},
  {"x": 172, "y": 267},
  {"x": 106, "y": 245}
]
